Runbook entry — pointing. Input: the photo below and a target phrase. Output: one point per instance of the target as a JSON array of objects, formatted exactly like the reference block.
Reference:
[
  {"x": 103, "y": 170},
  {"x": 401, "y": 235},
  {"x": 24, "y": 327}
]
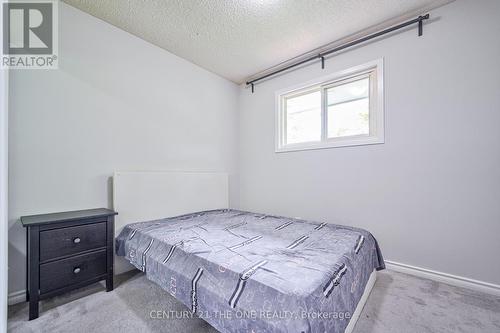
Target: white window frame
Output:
[{"x": 374, "y": 70}]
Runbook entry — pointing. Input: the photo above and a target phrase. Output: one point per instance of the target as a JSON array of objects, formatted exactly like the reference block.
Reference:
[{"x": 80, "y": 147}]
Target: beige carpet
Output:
[{"x": 398, "y": 303}]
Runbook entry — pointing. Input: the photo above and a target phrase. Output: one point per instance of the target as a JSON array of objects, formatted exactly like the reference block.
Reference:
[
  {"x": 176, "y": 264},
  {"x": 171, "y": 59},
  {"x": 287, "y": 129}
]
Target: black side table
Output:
[{"x": 65, "y": 251}]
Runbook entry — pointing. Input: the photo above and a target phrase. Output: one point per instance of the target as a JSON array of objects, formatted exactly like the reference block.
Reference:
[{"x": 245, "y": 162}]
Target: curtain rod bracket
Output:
[
  {"x": 252, "y": 87},
  {"x": 322, "y": 61}
]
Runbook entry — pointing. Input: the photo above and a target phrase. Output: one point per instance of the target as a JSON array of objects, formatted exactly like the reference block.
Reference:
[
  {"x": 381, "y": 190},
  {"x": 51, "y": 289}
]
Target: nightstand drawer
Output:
[
  {"x": 73, "y": 270},
  {"x": 71, "y": 240}
]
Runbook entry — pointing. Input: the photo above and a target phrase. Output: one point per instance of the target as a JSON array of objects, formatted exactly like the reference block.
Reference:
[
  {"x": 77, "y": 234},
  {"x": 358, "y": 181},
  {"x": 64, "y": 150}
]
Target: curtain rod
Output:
[{"x": 321, "y": 56}]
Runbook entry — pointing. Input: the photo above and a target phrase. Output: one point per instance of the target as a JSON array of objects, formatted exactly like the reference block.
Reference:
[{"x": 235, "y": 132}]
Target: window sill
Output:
[{"x": 331, "y": 144}]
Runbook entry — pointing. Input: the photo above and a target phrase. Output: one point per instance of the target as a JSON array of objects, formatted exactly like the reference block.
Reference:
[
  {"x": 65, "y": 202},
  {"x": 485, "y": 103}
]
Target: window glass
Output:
[
  {"x": 303, "y": 118},
  {"x": 349, "y": 109}
]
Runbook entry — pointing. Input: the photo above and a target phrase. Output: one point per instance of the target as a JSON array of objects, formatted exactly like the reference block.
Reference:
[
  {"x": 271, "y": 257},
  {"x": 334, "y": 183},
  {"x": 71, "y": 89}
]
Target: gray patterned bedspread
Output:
[{"x": 248, "y": 272}]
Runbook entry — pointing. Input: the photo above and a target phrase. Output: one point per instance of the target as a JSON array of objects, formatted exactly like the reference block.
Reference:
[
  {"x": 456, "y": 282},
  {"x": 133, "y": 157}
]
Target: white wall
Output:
[
  {"x": 3, "y": 194},
  {"x": 431, "y": 193},
  {"x": 116, "y": 103},
  {"x": 3, "y": 189}
]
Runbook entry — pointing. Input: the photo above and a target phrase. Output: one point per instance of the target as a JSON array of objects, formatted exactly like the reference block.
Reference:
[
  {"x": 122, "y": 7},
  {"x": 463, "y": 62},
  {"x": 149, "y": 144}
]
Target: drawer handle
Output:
[
  {"x": 77, "y": 270},
  {"x": 76, "y": 240}
]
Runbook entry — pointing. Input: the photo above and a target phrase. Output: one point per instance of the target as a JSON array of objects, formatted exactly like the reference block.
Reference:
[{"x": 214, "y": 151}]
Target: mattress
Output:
[{"x": 248, "y": 272}]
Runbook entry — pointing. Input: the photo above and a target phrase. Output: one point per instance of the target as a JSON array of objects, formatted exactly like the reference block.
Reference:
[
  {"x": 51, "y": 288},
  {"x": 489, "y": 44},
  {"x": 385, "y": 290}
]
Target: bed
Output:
[{"x": 251, "y": 272}]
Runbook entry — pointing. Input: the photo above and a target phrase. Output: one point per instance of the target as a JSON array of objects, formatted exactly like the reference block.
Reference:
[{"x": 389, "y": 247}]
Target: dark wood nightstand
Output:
[{"x": 65, "y": 251}]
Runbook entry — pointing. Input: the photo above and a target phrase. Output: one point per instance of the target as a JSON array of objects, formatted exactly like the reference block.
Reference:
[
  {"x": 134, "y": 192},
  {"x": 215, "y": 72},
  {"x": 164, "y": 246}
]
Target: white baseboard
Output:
[
  {"x": 17, "y": 297},
  {"x": 454, "y": 280}
]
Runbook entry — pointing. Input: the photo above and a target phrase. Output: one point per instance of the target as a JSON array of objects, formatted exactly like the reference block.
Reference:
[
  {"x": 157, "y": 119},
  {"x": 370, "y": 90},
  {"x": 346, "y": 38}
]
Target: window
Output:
[{"x": 344, "y": 109}]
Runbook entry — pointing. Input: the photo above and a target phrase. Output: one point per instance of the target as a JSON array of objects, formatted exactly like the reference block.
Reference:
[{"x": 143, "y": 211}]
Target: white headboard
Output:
[{"x": 144, "y": 196}]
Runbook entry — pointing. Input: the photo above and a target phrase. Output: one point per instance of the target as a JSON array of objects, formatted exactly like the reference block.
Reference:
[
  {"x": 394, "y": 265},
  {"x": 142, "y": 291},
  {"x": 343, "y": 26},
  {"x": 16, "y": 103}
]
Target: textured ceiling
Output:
[{"x": 238, "y": 38}]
